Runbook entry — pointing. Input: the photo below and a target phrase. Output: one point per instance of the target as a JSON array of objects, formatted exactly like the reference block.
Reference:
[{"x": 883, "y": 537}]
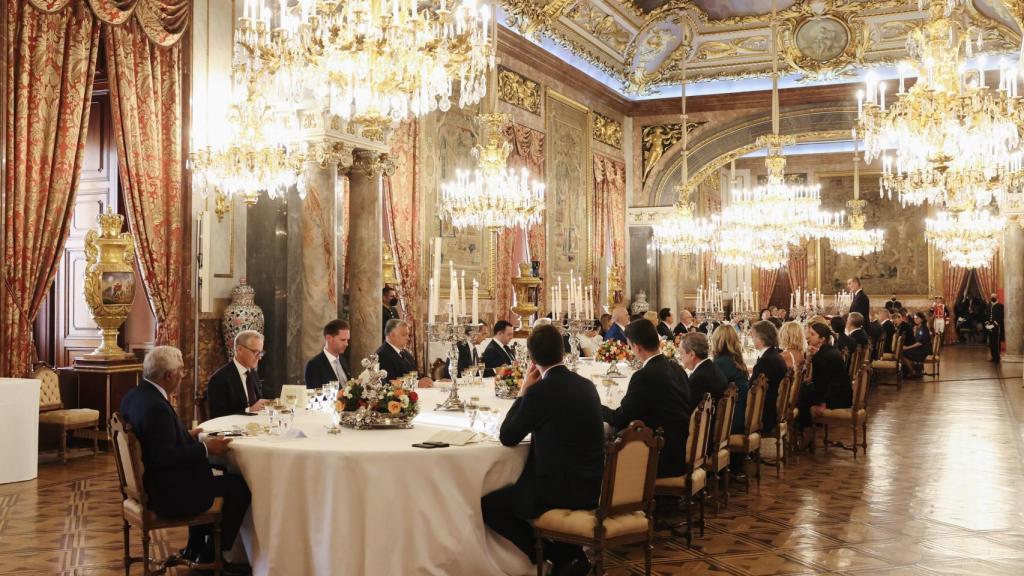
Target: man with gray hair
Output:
[
  {"x": 236, "y": 388},
  {"x": 394, "y": 356},
  {"x": 178, "y": 479},
  {"x": 705, "y": 377}
]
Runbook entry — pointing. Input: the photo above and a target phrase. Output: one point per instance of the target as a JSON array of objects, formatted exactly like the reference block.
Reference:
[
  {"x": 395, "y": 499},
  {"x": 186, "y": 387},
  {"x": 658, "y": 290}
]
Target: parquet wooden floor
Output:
[{"x": 940, "y": 492}]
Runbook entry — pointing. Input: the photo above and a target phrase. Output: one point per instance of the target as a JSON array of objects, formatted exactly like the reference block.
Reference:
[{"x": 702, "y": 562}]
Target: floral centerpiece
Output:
[
  {"x": 613, "y": 351},
  {"x": 507, "y": 381},
  {"x": 668, "y": 349},
  {"x": 370, "y": 401}
]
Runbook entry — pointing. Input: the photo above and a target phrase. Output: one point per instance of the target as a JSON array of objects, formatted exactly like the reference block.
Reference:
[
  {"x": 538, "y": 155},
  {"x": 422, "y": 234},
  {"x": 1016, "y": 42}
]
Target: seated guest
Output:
[
  {"x": 666, "y": 322},
  {"x": 728, "y": 357},
  {"x": 705, "y": 376},
  {"x": 658, "y": 394},
  {"x": 874, "y": 329},
  {"x": 652, "y": 317},
  {"x": 830, "y": 387},
  {"x": 771, "y": 363},
  {"x": 916, "y": 350},
  {"x": 566, "y": 344},
  {"x": 686, "y": 323},
  {"x": 793, "y": 344},
  {"x": 904, "y": 328},
  {"x": 562, "y": 412},
  {"x": 783, "y": 315},
  {"x": 589, "y": 341},
  {"x": 468, "y": 355},
  {"x": 236, "y": 388},
  {"x": 617, "y": 331},
  {"x": 499, "y": 352},
  {"x": 606, "y": 324},
  {"x": 389, "y": 300},
  {"x": 393, "y": 355},
  {"x": 708, "y": 326},
  {"x": 178, "y": 478},
  {"x": 838, "y": 325},
  {"x": 329, "y": 364},
  {"x": 887, "y": 329},
  {"x": 853, "y": 335}
]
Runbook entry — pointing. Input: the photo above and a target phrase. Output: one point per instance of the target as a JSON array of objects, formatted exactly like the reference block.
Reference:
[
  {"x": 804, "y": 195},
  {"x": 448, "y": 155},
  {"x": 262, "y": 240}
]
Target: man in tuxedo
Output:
[
  {"x": 617, "y": 331},
  {"x": 562, "y": 413},
  {"x": 178, "y": 478},
  {"x": 995, "y": 327},
  {"x": 468, "y": 354},
  {"x": 686, "y": 325},
  {"x": 854, "y": 334},
  {"x": 236, "y": 387},
  {"x": 389, "y": 300},
  {"x": 658, "y": 394},
  {"x": 887, "y": 329},
  {"x": 859, "y": 302},
  {"x": 330, "y": 364},
  {"x": 393, "y": 355},
  {"x": 770, "y": 363},
  {"x": 665, "y": 325},
  {"x": 705, "y": 377},
  {"x": 499, "y": 352}
]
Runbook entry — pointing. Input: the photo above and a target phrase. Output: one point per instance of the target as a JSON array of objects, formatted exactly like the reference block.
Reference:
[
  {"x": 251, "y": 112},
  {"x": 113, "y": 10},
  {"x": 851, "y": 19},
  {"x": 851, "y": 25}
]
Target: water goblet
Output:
[{"x": 471, "y": 410}]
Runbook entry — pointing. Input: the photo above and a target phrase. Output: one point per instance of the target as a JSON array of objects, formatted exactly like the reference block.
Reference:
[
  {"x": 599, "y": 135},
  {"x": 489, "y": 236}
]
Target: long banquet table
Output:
[{"x": 367, "y": 502}]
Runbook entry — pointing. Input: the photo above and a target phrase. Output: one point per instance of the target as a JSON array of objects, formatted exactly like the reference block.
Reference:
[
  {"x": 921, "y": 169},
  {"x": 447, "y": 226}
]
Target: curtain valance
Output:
[{"x": 163, "y": 21}]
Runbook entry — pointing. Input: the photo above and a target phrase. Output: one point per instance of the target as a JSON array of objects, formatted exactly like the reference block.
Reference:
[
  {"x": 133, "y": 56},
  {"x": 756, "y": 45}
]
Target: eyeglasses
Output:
[{"x": 257, "y": 353}]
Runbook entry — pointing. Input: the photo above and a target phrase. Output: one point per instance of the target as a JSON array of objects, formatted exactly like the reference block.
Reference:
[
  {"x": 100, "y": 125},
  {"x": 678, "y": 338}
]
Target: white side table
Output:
[{"x": 19, "y": 429}]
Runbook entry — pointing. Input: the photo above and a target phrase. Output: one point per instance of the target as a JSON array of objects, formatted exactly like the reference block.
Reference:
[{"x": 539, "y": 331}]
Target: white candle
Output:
[
  {"x": 431, "y": 305},
  {"x": 476, "y": 302},
  {"x": 462, "y": 294}
]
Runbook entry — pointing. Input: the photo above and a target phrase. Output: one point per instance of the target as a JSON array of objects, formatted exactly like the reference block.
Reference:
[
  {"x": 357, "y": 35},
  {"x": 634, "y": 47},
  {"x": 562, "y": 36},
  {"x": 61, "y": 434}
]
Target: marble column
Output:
[
  {"x": 319, "y": 293},
  {"x": 365, "y": 276},
  {"x": 1013, "y": 289},
  {"x": 668, "y": 288}
]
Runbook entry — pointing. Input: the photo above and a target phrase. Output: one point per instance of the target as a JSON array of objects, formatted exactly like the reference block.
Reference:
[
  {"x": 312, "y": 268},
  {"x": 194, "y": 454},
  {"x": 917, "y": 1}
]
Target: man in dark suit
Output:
[
  {"x": 562, "y": 412},
  {"x": 499, "y": 351},
  {"x": 686, "y": 325},
  {"x": 393, "y": 355},
  {"x": 665, "y": 325},
  {"x": 330, "y": 364},
  {"x": 236, "y": 387},
  {"x": 995, "y": 327},
  {"x": 859, "y": 302},
  {"x": 705, "y": 377},
  {"x": 617, "y": 331},
  {"x": 770, "y": 363},
  {"x": 658, "y": 394},
  {"x": 854, "y": 334},
  {"x": 887, "y": 330},
  {"x": 178, "y": 479},
  {"x": 468, "y": 354},
  {"x": 389, "y": 300}
]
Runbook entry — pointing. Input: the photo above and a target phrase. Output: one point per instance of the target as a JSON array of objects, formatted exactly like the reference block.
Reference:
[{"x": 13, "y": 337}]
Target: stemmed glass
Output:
[
  {"x": 485, "y": 418},
  {"x": 471, "y": 410}
]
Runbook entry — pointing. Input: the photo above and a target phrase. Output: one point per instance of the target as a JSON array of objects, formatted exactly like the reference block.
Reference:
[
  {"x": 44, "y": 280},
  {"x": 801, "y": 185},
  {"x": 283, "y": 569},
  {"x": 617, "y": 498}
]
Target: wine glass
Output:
[
  {"x": 485, "y": 418},
  {"x": 471, "y": 410}
]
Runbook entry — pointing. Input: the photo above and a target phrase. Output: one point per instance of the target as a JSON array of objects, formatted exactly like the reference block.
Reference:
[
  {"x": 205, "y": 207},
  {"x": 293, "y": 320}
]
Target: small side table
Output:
[{"x": 103, "y": 383}]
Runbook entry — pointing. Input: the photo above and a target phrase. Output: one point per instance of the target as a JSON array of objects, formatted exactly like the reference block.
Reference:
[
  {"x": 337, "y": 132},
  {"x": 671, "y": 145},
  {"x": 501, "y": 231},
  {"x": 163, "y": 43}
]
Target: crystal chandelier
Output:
[
  {"x": 950, "y": 134},
  {"x": 372, "y": 61},
  {"x": 493, "y": 195},
  {"x": 967, "y": 238},
  {"x": 856, "y": 240},
  {"x": 682, "y": 232}
]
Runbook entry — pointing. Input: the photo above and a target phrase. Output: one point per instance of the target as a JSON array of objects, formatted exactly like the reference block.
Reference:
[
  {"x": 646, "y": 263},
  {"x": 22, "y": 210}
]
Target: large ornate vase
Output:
[
  {"x": 525, "y": 286},
  {"x": 241, "y": 314},
  {"x": 109, "y": 281},
  {"x": 640, "y": 305}
]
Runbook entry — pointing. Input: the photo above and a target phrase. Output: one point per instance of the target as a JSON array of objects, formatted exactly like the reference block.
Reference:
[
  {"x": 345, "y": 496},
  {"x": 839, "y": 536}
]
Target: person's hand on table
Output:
[
  {"x": 194, "y": 433},
  {"x": 217, "y": 446},
  {"x": 532, "y": 377},
  {"x": 259, "y": 405},
  {"x": 425, "y": 383}
]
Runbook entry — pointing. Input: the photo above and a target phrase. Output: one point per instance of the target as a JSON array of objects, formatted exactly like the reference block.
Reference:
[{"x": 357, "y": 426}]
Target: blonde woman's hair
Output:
[
  {"x": 791, "y": 337},
  {"x": 725, "y": 342},
  {"x": 652, "y": 316}
]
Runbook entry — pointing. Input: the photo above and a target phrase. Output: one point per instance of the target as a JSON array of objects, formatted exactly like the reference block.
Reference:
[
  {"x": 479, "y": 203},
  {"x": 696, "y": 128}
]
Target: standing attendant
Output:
[
  {"x": 389, "y": 300},
  {"x": 859, "y": 301},
  {"x": 499, "y": 352},
  {"x": 330, "y": 364},
  {"x": 562, "y": 413},
  {"x": 995, "y": 327},
  {"x": 236, "y": 387}
]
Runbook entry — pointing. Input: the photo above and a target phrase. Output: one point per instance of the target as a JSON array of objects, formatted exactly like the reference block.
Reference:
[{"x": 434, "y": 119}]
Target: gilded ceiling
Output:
[{"x": 640, "y": 43}]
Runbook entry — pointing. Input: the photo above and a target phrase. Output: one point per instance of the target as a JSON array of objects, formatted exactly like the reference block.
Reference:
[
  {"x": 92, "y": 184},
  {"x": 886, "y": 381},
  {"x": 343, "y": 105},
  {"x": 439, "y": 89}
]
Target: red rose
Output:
[{"x": 413, "y": 396}]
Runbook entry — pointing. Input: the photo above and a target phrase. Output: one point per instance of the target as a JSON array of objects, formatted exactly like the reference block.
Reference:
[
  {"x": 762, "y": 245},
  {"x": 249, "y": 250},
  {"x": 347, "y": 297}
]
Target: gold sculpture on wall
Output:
[
  {"x": 109, "y": 281},
  {"x": 607, "y": 130},
  {"x": 655, "y": 140},
  {"x": 518, "y": 90},
  {"x": 823, "y": 40}
]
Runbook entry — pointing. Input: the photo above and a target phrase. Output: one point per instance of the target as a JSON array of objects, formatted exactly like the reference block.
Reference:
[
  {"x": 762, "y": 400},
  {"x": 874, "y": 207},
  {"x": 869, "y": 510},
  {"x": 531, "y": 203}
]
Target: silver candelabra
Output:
[
  {"x": 576, "y": 327},
  {"x": 452, "y": 334}
]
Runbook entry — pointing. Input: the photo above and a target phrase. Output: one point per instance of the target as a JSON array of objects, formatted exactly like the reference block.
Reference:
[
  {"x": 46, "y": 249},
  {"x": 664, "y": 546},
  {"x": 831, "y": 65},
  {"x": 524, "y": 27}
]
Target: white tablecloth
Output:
[
  {"x": 367, "y": 502},
  {"x": 19, "y": 429}
]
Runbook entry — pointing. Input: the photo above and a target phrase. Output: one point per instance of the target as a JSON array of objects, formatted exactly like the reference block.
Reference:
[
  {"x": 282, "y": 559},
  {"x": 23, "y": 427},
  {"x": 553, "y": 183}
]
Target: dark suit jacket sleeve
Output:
[
  {"x": 526, "y": 413},
  {"x": 633, "y": 405},
  {"x": 218, "y": 394},
  {"x": 161, "y": 441},
  {"x": 493, "y": 357},
  {"x": 313, "y": 376}
]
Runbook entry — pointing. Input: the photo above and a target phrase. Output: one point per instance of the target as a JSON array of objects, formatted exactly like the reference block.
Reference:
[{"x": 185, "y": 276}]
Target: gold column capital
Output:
[{"x": 373, "y": 164}]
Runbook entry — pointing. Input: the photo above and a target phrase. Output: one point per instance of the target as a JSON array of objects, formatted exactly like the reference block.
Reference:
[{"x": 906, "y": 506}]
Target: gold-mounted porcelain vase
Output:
[
  {"x": 526, "y": 287},
  {"x": 109, "y": 280}
]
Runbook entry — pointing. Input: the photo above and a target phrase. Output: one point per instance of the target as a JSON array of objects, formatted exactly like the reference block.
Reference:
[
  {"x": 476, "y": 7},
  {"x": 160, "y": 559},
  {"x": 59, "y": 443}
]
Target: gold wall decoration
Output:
[
  {"x": 518, "y": 90},
  {"x": 656, "y": 139},
  {"x": 607, "y": 130},
  {"x": 109, "y": 280},
  {"x": 721, "y": 49},
  {"x": 823, "y": 40}
]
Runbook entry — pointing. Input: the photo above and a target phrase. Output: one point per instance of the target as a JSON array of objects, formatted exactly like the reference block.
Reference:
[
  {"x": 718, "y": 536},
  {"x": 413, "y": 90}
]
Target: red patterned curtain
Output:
[
  {"x": 527, "y": 152},
  {"x": 402, "y": 225},
  {"x": 766, "y": 285},
  {"x": 145, "y": 88},
  {"x": 609, "y": 218},
  {"x": 987, "y": 276},
  {"x": 51, "y": 59},
  {"x": 798, "y": 268},
  {"x": 952, "y": 281}
]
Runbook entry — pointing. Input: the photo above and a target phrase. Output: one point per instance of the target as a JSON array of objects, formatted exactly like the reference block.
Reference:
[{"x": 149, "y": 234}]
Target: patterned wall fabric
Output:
[
  {"x": 609, "y": 218},
  {"x": 54, "y": 60},
  {"x": 401, "y": 207}
]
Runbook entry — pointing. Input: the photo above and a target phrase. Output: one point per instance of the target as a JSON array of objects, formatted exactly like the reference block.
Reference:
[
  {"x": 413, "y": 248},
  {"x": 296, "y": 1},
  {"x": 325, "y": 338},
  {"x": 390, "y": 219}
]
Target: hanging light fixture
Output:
[
  {"x": 966, "y": 237},
  {"x": 682, "y": 232},
  {"x": 493, "y": 195},
  {"x": 856, "y": 240}
]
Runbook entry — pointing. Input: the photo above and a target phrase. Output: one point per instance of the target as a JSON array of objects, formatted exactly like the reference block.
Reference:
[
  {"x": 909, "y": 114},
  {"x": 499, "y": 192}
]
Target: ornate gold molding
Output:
[
  {"x": 658, "y": 138},
  {"x": 373, "y": 164},
  {"x": 325, "y": 153},
  {"x": 518, "y": 90},
  {"x": 221, "y": 204},
  {"x": 606, "y": 130},
  {"x": 823, "y": 40}
]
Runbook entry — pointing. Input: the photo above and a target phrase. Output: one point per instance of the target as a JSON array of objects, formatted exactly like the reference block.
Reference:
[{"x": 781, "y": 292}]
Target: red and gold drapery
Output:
[
  {"x": 952, "y": 282},
  {"x": 51, "y": 61},
  {"x": 609, "y": 219},
  {"x": 527, "y": 152},
  {"x": 146, "y": 100},
  {"x": 402, "y": 228},
  {"x": 766, "y": 285},
  {"x": 988, "y": 276}
]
